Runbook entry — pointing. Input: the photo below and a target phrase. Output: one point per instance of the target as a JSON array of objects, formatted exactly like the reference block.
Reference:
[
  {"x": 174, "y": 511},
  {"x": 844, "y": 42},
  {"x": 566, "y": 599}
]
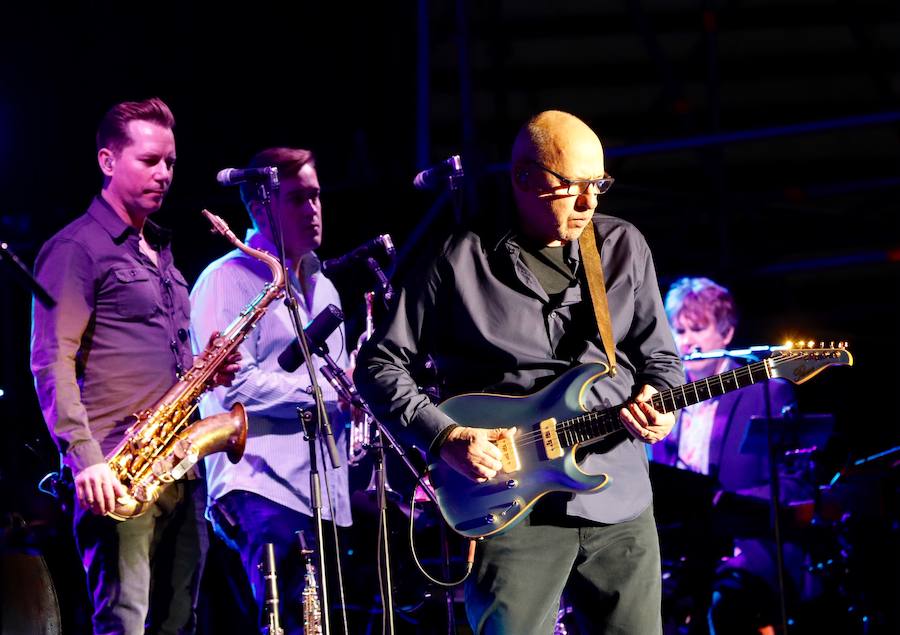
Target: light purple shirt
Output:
[
  {"x": 117, "y": 338},
  {"x": 276, "y": 459}
]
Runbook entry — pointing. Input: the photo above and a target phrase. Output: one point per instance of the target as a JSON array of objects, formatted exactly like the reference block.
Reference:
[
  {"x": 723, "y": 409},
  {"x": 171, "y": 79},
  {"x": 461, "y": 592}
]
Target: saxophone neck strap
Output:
[{"x": 593, "y": 269}]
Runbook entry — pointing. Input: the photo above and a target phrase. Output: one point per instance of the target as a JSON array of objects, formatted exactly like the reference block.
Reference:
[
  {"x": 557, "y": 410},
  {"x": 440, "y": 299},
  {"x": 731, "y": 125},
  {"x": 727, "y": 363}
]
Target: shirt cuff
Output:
[
  {"x": 435, "y": 447},
  {"x": 431, "y": 426},
  {"x": 83, "y": 454}
]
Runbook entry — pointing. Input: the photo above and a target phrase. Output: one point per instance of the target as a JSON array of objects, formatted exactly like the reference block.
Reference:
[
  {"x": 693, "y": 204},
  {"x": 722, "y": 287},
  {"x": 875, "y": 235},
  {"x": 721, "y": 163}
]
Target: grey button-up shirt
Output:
[
  {"x": 488, "y": 324},
  {"x": 116, "y": 339}
]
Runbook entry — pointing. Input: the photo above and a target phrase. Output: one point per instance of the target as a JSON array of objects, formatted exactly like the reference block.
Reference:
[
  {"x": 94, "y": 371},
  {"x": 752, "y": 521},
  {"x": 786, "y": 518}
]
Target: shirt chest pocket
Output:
[
  {"x": 134, "y": 293},
  {"x": 181, "y": 293}
]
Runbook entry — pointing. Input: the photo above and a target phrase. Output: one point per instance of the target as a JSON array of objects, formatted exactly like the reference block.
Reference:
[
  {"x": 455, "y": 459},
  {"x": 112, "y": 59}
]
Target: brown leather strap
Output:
[{"x": 593, "y": 268}]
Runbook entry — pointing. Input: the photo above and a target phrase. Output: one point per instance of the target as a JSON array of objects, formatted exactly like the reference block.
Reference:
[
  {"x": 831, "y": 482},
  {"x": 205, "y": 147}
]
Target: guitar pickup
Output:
[
  {"x": 509, "y": 455},
  {"x": 550, "y": 439}
]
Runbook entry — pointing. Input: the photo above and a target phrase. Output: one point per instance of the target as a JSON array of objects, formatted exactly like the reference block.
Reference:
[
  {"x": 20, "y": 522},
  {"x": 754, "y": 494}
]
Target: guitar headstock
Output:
[{"x": 800, "y": 361}]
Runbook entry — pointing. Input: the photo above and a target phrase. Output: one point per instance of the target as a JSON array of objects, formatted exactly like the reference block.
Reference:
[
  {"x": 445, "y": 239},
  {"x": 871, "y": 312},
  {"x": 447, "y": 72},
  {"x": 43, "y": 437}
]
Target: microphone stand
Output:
[
  {"x": 311, "y": 423},
  {"x": 775, "y": 499},
  {"x": 342, "y": 384},
  {"x": 751, "y": 354},
  {"x": 387, "y": 292},
  {"x": 28, "y": 280}
]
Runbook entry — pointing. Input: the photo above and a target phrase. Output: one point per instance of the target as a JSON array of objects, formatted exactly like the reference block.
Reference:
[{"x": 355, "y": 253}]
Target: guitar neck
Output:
[{"x": 597, "y": 425}]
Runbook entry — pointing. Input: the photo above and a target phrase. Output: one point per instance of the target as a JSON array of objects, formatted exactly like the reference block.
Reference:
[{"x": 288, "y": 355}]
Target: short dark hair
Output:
[
  {"x": 289, "y": 162},
  {"x": 694, "y": 299},
  {"x": 112, "y": 132}
]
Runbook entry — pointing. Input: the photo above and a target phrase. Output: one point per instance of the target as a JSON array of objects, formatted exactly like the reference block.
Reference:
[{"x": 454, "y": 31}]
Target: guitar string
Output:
[{"x": 531, "y": 438}]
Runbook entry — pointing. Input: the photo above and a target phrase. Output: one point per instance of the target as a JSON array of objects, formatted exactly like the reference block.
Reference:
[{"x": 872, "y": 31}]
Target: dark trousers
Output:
[
  {"x": 246, "y": 522},
  {"x": 613, "y": 572},
  {"x": 149, "y": 565}
]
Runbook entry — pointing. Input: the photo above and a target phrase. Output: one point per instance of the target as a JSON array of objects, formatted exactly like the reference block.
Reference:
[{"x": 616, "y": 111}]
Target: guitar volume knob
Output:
[{"x": 512, "y": 483}]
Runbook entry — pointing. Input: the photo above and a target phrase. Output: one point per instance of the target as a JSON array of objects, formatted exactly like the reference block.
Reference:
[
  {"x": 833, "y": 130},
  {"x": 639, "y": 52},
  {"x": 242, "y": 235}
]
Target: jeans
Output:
[
  {"x": 613, "y": 573},
  {"x": 146, "y": 567}
]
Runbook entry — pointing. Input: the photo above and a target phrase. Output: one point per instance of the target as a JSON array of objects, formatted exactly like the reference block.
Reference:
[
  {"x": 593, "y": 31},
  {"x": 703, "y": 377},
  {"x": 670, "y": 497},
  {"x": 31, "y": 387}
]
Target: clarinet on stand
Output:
[{"x": 273, "y": 619}]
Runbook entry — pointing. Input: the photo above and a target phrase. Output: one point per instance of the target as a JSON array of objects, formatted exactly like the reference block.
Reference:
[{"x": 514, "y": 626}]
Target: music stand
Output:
[
  {"x": 772, "y": 435},
  {"x": 810, "y": 431}
]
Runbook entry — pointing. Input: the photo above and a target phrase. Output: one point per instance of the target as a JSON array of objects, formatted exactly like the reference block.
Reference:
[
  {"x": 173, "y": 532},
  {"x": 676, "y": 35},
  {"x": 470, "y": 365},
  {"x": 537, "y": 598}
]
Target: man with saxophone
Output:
[
  {"x": 115, "y": 342},
  {"x": 506, "y": 309},
  {"x": 265, "y": 497}
]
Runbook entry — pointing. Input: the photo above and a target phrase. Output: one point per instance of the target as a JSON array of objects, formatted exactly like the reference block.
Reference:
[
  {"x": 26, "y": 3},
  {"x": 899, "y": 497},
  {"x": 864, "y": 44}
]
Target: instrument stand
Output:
[
  {"x": 342, "y": 384},
  {"x": 387, "y": 592},
  {"x": 310, "y": 423},
  {"x": 314, "y": 420}
]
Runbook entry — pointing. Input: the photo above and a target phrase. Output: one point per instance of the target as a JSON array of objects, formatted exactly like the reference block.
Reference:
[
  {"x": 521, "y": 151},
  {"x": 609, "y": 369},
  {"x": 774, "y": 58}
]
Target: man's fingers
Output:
[
  {"x": 635, "y": 410},
  {"x": 484, "y": 457},
  {"x": 632, "y": 425},
  {"x": 109, "y": 495},
  {"x": 482, "y": 473},
  {"x": 84, "y": 495},
  {"x": 118, "y": 488},
  {"x": 98, "y": 504}
]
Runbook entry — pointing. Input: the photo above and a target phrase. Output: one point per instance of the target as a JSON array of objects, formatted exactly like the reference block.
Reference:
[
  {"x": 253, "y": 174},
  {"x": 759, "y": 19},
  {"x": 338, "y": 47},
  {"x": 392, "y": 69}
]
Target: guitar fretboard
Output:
[{"x": 596, "y": 425}]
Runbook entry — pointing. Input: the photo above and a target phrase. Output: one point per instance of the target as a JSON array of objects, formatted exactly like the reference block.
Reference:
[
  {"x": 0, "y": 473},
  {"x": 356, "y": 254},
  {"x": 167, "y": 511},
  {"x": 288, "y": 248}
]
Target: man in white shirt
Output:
[{"x": 265, "y": 497}]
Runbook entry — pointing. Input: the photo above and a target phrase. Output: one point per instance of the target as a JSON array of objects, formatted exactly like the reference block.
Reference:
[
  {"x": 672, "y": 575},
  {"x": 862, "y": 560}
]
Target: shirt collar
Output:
[
  {"x": 105, "y": 216},
  {"x": 509, "y": 237},
  {"x": 309, "y": 262}
]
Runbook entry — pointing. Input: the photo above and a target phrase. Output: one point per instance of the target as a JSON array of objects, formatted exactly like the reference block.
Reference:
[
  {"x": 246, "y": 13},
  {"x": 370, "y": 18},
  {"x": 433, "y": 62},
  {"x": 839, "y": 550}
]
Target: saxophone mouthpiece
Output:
[{"x": 219, "y": 225}]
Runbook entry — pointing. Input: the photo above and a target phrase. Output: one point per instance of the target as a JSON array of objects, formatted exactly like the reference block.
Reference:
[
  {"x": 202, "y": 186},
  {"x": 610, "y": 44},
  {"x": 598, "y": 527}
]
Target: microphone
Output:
[
  {"x": 365, "y": 250},
  {"x": 435, "y": 176},
  {"x": 235, "y": 176},
  {"x": 387, "y": 293},
  {"x": 317, "y": 333}
]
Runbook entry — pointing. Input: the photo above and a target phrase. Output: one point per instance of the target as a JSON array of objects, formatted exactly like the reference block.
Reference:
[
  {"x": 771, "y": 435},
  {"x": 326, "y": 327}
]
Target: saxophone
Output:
[
  {"x": 162, "y": 446},
  {"x": 312, "y": 611}
]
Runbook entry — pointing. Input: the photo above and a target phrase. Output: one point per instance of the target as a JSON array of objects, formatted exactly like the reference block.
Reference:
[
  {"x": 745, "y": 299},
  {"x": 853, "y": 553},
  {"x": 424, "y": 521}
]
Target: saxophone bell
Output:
[{"x": 224, "y": 432}]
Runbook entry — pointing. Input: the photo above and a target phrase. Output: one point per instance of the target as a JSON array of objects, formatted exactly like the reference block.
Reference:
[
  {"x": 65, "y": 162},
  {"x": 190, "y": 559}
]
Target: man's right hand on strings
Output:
[{"x": 472, "y": 453}]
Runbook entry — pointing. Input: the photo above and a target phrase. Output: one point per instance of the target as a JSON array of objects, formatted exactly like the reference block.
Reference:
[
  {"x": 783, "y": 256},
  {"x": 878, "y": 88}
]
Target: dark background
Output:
[{"x": 798, "y": 214}]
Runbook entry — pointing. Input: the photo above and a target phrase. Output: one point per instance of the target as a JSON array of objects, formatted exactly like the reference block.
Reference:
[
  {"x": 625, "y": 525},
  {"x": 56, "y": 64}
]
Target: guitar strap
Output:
[{"x": 593, "y": 268}]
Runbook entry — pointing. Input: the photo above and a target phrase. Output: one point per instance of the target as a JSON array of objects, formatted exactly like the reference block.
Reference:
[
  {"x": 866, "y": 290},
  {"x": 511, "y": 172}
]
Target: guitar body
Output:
[{"x": 482, "y": 509}]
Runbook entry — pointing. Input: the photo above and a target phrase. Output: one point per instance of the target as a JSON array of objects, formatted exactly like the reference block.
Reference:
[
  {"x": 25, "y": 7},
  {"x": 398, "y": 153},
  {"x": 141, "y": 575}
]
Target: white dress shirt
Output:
[{"x": 276, "y": 459}]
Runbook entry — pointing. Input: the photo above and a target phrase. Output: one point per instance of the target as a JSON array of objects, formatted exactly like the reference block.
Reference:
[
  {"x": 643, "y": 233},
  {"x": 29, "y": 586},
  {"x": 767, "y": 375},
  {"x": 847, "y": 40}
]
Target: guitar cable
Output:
[{"x": 470, "y": 557}]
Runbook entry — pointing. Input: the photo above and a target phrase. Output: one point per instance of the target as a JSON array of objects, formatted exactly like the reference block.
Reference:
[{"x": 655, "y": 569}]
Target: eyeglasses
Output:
[{"x": 579, "y": 187}]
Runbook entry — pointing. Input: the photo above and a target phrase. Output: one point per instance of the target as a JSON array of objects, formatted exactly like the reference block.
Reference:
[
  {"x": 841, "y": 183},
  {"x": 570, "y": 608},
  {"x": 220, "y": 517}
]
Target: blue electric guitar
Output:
[{"x": 553, "y": 422}]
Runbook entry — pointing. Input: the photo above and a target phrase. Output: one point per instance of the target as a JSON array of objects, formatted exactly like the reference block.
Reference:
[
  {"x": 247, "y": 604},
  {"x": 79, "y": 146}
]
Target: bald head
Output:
[
  {"x": 555, "y": 148},
  {"x": 560, "y": 141}
]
